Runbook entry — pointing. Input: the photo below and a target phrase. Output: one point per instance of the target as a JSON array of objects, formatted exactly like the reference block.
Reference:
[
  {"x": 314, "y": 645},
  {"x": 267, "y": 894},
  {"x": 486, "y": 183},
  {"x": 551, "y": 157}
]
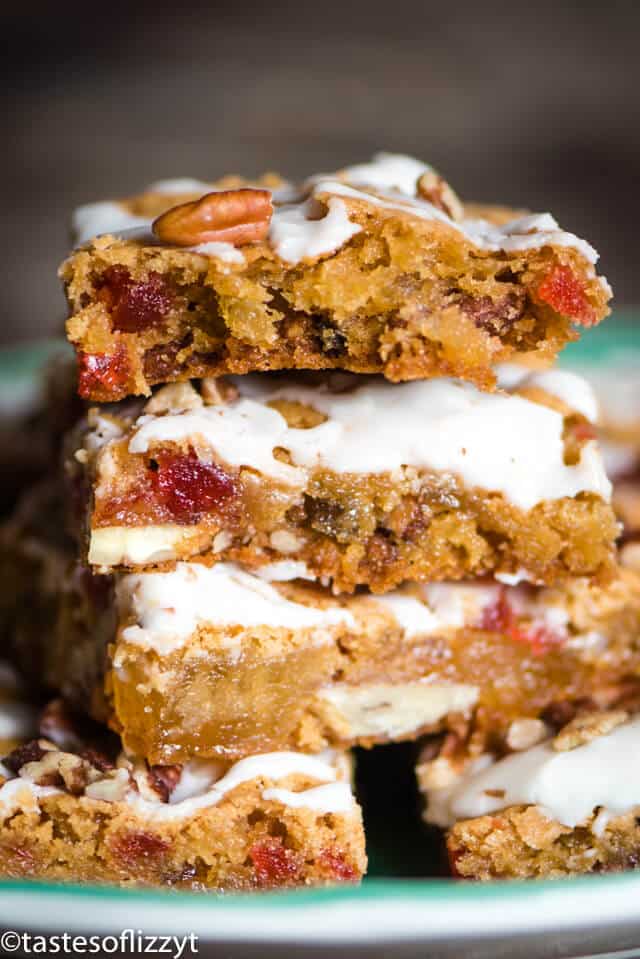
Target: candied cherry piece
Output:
[
  {"x": 139, "y": 846},
  {"x": 188, "y": 487},
  {"x": 539, "y": 637},
  {"x": 274, "y": 864},
  {"x": 334, "y": 862},
  {"x": 135, "y": 305},
  {"x": 499, "y": 617},
  {"x": 102, "y": 374},
  {"x": 565, "y": 293}
]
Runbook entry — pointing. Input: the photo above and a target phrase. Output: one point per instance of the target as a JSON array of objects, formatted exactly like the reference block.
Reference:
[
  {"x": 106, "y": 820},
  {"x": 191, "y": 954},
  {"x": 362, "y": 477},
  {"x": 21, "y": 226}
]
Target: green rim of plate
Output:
[{"x": 618, "y": 339}]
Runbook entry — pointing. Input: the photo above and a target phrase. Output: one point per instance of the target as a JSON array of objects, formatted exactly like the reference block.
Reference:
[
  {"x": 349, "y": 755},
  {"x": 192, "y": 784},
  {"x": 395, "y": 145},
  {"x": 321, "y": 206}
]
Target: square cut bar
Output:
[
  {"x": 75, "y": 808},
  {"x": 564, "y": 806},
  {"x": 213, "y": 661},
  {"x": 375, "y": 269},
  {"x": 364, "y": 481}
]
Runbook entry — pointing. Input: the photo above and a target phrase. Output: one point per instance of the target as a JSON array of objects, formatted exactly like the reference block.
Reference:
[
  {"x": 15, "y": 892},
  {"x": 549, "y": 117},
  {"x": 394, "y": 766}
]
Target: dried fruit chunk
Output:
[
  {"x": 133, "y": 848},
  {"x": 500, "y": 617},
  {"x": 495, "y": 316},
  {"x": 227, "y": 216},
  {"x": 334, "y": 862},
  {"x": 188, "y": 487},
  {"x": 565, "y": 293},
  {"x": 274, "y": 864},
  {"x": 102, "y": 372},
  {"x": 134, "y": 305}
]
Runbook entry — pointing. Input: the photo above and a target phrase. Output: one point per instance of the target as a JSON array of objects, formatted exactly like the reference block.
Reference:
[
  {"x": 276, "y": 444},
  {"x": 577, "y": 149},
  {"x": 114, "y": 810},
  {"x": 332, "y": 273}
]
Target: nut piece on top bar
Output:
[
  {"x": 363, "y": 481},
  {"x": 563, "y": 805},
  {"x": 377, "y": 268},
  {"x": 233, "y": 664},
  {"x": 278, "y": 819}
]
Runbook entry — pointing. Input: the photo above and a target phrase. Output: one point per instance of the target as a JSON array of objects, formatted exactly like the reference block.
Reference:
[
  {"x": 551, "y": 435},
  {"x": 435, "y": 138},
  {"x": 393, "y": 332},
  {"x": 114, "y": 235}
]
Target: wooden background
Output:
[{"x": 533, "y": 104}]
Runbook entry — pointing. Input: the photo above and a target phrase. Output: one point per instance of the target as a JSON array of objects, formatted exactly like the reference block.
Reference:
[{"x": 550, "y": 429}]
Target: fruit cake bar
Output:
[
  {"x": 206, "y": 661},
  {"x": 377, "y": 268},
  {"x": 566, "y": 804},
  {"x": 364, "y": 481},
  {"x": 75, "y": 807}
]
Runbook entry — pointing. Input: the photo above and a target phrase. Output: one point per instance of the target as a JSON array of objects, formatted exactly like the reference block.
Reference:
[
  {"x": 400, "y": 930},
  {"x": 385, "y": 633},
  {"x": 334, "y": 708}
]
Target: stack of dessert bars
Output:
[{"x": 321, "y": 488}]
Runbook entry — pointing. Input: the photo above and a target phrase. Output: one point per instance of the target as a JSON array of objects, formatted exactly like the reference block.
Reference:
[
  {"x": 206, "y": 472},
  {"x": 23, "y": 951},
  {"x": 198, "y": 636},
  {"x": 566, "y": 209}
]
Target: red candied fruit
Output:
[
  {"x": 565, "y": 293},
  {"x": 273, "y": 863},
  {"x": 135, "y": 305},
  {"x": 134, "y": 847},
  {"x": 188, "y": 487},
  {"x": 500, "y": 617},
  {"x": 334, "y": 862},
  {"x": 102, "y": 374}
]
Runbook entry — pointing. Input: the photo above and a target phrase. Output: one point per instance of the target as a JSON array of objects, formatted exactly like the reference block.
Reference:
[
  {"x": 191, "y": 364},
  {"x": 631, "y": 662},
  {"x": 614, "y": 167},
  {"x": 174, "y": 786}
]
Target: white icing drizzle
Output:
[
  {"x": 387, "y": 171},
  {"x": 201, "y": 787},
  {"x": 284, "y": 571},
  {"x": 295, "y": 236},
  {"x": 95, "y": 219},
  {"x": 21, "y": 794},
  {"x": 523, "y": 233},
  {"x": 221, "y": 251},
  {"x": 330, "y": 798},
  {"x": 424, "y": 609},
  {"x": 268, "y": 766},
  {"x": 498, "y": 442},
  {"x": 567, "y": 786},
  {"x": 437, "y": 607},
  {"x": 167, "y": 608},
  {"x": 243, "y": 433},
  {"x": 513, "y": 579}
]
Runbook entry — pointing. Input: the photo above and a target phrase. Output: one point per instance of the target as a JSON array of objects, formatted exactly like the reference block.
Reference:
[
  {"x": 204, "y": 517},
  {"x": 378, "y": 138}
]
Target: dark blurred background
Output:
[{"x": 533, "y": 104}]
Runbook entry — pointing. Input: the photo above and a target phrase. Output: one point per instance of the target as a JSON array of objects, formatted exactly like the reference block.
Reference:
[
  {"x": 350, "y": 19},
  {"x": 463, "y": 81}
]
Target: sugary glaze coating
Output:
[
  {"x": 365, "y": 482},
  {"x": 553, "y": 805},
  {"x": 377, "y": 268},
  {"x": 216, "y": 661},
  {"x": 74, "y": 807}
]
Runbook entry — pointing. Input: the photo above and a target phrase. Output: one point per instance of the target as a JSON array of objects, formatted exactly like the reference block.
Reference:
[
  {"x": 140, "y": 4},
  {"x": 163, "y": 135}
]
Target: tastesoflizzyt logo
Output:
[{"x": 128, "y": 942}]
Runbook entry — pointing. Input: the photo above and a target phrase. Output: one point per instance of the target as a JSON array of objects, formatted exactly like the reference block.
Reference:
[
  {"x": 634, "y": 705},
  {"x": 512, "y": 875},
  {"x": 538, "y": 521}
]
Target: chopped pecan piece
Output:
[
  {"x": 435, "y": 190},
  {"x": 583, "y": 729},
  {"x": 164, "y": 779}
]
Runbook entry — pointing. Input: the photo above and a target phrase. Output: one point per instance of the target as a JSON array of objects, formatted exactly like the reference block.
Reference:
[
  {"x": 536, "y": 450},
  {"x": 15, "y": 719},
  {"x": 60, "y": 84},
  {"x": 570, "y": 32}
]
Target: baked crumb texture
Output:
[
  {"x": 201, "y": 661},
  {"x": 363, "y": 482},
  {"x": 75, "y": 807},
  {"x": 545, "y": 806},
  {"x": 377, "y": 268}
]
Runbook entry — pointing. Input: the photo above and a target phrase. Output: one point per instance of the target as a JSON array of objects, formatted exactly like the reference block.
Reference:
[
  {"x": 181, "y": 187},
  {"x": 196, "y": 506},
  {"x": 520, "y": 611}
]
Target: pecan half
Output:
[
  {"x": 225, "y": 216},
  {"x": 435, "y": 190}
]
